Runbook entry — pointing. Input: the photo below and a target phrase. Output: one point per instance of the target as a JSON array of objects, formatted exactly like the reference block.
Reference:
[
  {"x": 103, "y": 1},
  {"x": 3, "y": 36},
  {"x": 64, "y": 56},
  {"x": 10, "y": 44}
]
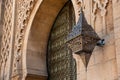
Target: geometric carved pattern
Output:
[
  {"x": 6, "y": 40},
  {"x": 24, "y": 9}
]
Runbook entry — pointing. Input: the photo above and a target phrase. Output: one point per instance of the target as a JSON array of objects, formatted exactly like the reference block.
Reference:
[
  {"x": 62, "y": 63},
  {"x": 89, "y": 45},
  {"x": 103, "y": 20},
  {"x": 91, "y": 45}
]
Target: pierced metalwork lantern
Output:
[{"x": 83, "y": 39}]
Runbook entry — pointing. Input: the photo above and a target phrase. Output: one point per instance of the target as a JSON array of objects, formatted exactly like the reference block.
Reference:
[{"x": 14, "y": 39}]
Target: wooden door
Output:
[{"x": 61, "y": 65}]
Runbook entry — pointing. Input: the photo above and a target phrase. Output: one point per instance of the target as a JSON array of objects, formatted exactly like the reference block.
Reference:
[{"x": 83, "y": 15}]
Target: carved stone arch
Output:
[{"x": 36, "y": 37}]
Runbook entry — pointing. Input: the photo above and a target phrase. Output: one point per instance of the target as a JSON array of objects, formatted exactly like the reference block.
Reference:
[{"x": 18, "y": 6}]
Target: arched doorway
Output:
[
  {"x": 61, "y": 65},
  {"x": 37, "y": 37}
]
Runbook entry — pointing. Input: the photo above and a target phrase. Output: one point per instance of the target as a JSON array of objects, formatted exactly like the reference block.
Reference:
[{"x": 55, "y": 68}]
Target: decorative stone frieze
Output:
[{"x": 24, "y": 9}]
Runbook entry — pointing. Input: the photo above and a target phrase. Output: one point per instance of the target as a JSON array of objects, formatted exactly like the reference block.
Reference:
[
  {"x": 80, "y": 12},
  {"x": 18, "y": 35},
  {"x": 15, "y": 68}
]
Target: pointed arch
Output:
[{"x": 36, "y": 36}]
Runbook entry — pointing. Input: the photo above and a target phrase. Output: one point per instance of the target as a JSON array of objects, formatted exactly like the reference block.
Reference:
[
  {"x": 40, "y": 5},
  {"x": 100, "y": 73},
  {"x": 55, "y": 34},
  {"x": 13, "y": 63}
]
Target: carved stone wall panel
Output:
[
  {"x": 102, "y": 16},
  {"x": 85, "y": 6},
  {"x": 98, "y": 14},
  {"x": 7, "y": 38},
  {"x": 109, "y": 18},
  {"x": 102, "y": 22},
  {"x": 24, "y": 9}
]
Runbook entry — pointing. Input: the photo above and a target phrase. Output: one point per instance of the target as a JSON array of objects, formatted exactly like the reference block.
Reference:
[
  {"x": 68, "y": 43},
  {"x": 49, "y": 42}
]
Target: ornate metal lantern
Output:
[{"x": 83, "y": 39}]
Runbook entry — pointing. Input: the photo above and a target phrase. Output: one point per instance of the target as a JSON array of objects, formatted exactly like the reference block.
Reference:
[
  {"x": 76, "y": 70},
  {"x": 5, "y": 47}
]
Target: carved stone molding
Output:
[
  {"x": 101, "y": 5},
  {"x": 24, "y": 9}
]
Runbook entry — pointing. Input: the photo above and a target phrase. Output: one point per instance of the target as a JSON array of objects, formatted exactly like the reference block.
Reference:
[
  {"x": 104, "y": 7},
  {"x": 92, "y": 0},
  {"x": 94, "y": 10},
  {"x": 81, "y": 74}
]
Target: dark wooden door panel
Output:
[{"x": 61, "y": 65}]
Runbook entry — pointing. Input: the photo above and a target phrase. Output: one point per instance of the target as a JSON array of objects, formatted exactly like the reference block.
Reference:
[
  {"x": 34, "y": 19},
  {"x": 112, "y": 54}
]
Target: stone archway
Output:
[
  {"x": 22, "y": 15},
  {"x": 36, "y": 38}
]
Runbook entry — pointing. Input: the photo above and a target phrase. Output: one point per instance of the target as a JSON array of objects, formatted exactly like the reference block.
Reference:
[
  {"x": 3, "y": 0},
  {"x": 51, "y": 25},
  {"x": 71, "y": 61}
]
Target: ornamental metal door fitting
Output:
[{"x": 83, "y": 39}]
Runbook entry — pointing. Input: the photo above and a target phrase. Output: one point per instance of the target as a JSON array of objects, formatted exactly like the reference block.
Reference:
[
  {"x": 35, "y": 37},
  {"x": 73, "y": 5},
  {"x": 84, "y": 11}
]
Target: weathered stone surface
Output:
[{"x": 31, "y": 22}]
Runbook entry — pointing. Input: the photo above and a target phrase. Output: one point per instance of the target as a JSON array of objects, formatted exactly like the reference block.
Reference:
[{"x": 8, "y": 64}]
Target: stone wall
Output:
[
  {"x": 116, "y": 20},
  {"x": 104, "y": 63}
]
